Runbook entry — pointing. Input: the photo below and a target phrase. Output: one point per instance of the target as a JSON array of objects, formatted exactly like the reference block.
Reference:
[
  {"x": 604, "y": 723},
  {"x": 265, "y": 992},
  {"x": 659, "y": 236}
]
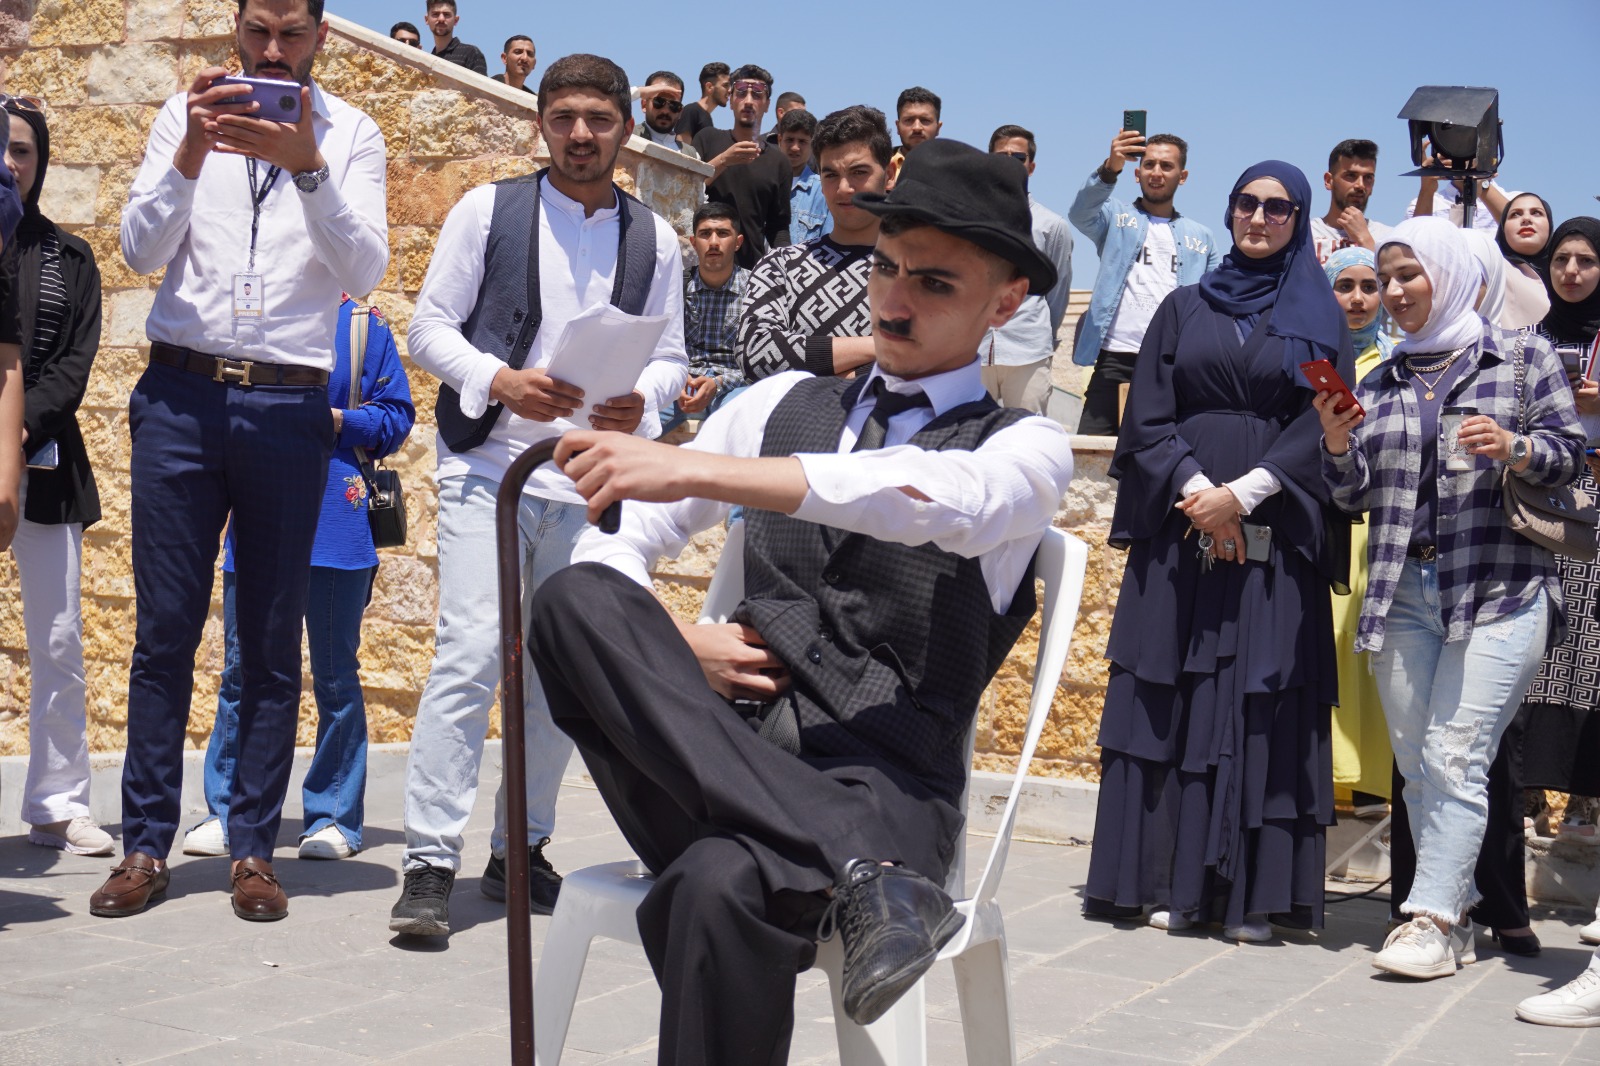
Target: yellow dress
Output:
[{"x": 1362, "y": 756}]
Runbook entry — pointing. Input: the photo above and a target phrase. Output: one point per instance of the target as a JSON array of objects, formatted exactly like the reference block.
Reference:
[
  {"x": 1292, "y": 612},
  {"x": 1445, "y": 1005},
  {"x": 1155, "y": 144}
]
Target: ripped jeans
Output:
[{"x": 1447, "y": 705}]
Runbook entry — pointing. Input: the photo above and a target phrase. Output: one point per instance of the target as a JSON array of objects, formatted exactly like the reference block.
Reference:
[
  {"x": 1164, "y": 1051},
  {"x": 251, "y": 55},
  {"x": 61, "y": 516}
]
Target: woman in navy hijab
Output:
[{"x": 1216, "y": 760}]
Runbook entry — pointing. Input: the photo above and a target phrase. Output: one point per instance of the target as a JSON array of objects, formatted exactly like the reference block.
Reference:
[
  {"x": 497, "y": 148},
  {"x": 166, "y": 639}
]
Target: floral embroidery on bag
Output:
[{"x": 355, "y": 491}]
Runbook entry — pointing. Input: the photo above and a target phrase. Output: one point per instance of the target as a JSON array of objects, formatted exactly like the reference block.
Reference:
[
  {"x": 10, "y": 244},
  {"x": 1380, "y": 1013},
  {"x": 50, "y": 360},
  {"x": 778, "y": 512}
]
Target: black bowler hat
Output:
[{"x": 973, "y": 195}]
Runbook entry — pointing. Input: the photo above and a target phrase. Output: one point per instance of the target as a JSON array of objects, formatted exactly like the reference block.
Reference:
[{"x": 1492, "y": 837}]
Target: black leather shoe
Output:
[
  {"x": 892, "y": 923},
  {"x": 1518, "y": 945},
  {"x": 544, "y": 884}
]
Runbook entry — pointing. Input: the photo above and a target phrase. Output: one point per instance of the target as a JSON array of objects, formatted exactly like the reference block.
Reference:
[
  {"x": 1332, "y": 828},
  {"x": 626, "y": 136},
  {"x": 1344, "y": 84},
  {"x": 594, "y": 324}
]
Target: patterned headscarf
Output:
[{"x": 1337, "y": 264}]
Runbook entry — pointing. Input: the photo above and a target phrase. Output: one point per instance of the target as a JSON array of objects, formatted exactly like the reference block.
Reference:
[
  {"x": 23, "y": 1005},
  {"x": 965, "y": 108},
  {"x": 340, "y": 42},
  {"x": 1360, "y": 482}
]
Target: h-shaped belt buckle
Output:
[{"x": 232, "y": 371}]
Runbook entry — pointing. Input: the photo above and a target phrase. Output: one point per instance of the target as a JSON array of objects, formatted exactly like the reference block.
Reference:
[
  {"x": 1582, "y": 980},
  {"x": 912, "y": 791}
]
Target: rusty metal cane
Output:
[{"x": 519, "y": 931}]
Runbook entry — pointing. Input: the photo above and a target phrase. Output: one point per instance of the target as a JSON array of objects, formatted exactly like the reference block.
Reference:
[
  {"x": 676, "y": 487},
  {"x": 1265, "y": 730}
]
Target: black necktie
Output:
[{"x": 885, "y": 406}]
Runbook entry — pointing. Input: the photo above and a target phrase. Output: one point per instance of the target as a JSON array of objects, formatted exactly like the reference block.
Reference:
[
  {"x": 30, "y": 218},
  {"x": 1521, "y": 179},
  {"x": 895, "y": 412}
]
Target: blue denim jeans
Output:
[
  {"x": 672, "y": 418},
  {"x": 336, "y": 782},
  {"x": 1447, "y": 706}
]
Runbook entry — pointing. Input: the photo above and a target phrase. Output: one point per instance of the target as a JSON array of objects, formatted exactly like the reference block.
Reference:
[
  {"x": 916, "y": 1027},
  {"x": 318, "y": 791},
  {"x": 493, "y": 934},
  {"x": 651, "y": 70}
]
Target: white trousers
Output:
[{"x": 48, "y": 563}]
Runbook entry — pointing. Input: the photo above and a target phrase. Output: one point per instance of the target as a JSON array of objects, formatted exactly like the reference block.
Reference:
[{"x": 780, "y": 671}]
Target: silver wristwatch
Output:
[
  {"x": 311, "y": 180},
  {"x": 1519, "y": 449}
]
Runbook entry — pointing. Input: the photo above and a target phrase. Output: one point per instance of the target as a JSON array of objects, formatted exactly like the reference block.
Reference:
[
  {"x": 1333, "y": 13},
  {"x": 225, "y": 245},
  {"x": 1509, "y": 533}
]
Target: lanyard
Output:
[{"x": 258, "y": 196}]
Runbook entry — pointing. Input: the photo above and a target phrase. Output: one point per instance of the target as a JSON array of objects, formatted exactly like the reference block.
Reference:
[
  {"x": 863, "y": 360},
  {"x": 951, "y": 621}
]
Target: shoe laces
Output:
[
  {"x": 429, "y": 882},
  {"x": 845, "y": 914},
  {"x": 1584, "y": 982},
  {"x": 1415, "y": 932},
  {"x": 536, "y": 859}
]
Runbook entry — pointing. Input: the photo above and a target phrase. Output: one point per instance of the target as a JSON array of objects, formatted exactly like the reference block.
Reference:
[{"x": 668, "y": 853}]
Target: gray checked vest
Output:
[
  {"x": 508, "y": 312},
  {"x": 889, "y": 646}
]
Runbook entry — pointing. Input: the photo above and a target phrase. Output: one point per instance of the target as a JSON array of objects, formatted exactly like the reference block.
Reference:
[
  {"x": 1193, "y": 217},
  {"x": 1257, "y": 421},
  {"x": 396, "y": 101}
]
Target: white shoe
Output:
[
  {"x": 326, "y": 843},
  {"x": 1575, "y": 1004},
  {"x": 1464, "y": 942},
  {"x": 1418, "y": 949},
  {"x": 1165, "y": 918},
  {"x": 205, "y": 839},
  {"x": 80, "y": 836},
  {"x": 1590, "y": 934},
  {"x": 1255, "y": 930}
]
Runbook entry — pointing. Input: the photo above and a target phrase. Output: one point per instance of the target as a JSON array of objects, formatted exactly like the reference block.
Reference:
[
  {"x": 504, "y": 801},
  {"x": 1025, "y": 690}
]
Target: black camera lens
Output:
[{"x": 286, "y": 102}]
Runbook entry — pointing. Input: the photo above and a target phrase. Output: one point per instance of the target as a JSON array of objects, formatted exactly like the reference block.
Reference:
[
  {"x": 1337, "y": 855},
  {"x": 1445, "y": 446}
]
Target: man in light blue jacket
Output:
[{"x": 1146, "y": 250}]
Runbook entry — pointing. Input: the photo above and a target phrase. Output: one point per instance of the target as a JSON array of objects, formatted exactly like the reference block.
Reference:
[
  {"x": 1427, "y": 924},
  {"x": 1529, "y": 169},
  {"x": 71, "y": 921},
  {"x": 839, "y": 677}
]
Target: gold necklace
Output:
[{"x": 1443, "y": 369}]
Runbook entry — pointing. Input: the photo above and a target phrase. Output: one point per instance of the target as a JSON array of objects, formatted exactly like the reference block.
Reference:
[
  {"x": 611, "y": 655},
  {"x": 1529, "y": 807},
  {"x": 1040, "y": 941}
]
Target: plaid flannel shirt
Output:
[
  {"x": 1486, "y": 570},
  {"x": 711, "y": 326}
]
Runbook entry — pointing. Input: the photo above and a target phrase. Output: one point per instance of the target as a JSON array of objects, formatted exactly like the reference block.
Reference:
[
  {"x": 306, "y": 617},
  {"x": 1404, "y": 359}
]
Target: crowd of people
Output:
[{"x": 864, "y": 336}]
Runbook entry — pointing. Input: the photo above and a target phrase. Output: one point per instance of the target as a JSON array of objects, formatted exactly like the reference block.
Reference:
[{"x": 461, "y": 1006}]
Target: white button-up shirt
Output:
[
  {"x": 312, "y": 246},
  {"x": 992, "y": 504},
  {"x": 577, "y": 265}
]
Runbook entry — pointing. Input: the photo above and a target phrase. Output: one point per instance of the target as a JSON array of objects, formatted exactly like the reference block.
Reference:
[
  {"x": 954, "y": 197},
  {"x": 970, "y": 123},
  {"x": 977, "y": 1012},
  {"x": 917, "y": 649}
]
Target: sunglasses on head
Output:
[
  {"x": 1276, "y": 209},
  {"x": 667, "y": 102},
  {"x": 23, "y": 103}
]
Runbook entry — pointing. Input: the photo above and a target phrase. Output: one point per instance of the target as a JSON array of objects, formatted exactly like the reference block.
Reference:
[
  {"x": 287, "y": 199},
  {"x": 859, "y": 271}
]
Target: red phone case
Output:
[{"x": 1322, "y": 377}]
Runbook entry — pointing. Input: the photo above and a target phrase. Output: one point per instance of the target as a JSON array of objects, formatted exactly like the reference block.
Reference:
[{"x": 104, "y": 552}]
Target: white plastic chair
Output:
[{"x": 602, "y": 900}]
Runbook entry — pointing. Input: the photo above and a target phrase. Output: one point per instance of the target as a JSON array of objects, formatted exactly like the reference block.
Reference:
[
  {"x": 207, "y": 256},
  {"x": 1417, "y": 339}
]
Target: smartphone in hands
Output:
[
  {"x": 1322, "y": 377},
  {"x": 1135, "y": 120},
  {"x": 279, "y": 101}
]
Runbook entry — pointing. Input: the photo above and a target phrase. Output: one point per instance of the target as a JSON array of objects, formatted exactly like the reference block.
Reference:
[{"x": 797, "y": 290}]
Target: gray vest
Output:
[
  {"x": 889, "y": 646},
  {"x": 507, "y": 315}
]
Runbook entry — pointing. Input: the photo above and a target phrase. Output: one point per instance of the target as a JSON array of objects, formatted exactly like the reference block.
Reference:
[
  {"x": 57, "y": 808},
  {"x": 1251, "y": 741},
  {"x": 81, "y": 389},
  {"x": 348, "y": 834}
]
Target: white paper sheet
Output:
[{"x": 602, "y": 351}]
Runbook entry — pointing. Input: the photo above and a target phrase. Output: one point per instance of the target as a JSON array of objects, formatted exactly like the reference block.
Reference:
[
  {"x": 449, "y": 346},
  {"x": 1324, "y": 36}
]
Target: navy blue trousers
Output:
[{"x": 200, "y": 450}]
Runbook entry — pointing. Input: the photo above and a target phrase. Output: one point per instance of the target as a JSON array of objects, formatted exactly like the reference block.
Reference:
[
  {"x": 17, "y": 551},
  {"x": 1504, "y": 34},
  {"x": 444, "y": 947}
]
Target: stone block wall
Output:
[{"x": 105, "y": 67}]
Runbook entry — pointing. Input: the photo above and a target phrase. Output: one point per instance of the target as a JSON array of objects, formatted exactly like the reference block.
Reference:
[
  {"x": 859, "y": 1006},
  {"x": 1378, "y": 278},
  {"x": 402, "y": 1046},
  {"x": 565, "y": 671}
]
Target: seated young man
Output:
[{"x": 891, "y": 524}]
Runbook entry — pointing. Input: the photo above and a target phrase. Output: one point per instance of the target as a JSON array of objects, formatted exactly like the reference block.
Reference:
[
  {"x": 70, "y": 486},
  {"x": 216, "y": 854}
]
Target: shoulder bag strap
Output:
[
  {"x": 360, "y": 321},
  {"x": 1522, "y": 383}
]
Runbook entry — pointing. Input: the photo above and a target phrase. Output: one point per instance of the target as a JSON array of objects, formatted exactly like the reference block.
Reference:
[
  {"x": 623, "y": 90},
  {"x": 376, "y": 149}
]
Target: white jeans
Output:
[
  {"x": 453, "y": 716},
  {"x": 48, "y": 563}
]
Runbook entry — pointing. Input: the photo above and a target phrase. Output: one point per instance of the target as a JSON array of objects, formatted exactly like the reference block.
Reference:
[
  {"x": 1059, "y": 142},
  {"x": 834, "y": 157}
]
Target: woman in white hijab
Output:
[
  {"x": 1458, "y": 607},
  {"x": 1497, "y": 304}
]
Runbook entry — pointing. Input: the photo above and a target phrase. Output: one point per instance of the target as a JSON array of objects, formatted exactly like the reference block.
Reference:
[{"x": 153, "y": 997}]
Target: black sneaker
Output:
[
  {"x": 892, "y": 922},
  {"x": 424, "y": 907},
  {"x": 544, "y": 884}
]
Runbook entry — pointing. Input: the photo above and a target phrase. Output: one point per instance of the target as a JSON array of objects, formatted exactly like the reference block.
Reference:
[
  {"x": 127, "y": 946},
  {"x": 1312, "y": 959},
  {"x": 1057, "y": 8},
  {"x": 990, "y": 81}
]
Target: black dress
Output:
[{"x": 1216, "y": 761}]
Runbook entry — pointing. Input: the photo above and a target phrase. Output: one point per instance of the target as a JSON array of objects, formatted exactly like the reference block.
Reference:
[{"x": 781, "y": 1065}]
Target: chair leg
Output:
[
  {"x": 555, "y": 987},
  {"x": 983, "y": 984},
  {"x": 899, "y": 1038}
]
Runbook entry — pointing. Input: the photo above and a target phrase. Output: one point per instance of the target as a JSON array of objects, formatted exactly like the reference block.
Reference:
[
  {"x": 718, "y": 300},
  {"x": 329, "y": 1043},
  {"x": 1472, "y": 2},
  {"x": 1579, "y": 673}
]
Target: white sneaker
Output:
[
  {"x": 326, "y": 843},
  {"x": 1418, "y": 949},
  {"x": 1165, "y": 918},
  {"x": 205, "y": 839},
  {"x": 1464, "y": 942},
  {"x": 1255, "y": 930},
  {"x": 1590, "y": 934},
  {"x": 80, "y": 836},
  {"x": 1575, "y": 1004}
]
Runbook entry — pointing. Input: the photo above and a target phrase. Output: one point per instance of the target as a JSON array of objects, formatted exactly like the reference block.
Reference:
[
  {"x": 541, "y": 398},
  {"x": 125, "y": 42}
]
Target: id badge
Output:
[{"x": 247, "y": 298}]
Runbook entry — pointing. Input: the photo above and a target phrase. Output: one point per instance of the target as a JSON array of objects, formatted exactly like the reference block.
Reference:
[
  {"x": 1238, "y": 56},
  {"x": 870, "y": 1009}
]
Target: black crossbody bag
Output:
[{"x": 386, "y": 504}]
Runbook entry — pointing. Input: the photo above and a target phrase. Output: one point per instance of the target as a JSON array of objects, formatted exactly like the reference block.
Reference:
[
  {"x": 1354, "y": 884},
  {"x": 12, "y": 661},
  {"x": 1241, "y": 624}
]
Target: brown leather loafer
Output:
[
  {"x": 257, "y": 896},
  {"x": 133, "y": 884}
]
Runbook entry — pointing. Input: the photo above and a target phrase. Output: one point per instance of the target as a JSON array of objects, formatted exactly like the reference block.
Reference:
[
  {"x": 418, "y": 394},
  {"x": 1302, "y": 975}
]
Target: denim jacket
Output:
[
  {"x": 808, "y": 209},
  {"x": 1117, "y": 230}
]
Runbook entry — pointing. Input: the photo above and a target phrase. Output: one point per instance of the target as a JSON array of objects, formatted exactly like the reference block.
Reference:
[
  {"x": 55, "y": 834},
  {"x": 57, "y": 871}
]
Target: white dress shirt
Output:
[
  {"x": 312, "y": 246},
  {"x": 577, "y": 265},
  {"x": 992, "y": 504}
]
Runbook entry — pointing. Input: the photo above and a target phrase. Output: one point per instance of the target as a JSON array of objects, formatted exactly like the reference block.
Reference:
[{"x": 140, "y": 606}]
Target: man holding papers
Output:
[{"x": 516, "y": 263}]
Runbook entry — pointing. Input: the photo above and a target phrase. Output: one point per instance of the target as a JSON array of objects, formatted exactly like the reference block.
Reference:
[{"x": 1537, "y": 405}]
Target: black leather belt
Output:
[
  {"x": 1426, "y": 553},
  {"x": 236, "y": 371}
]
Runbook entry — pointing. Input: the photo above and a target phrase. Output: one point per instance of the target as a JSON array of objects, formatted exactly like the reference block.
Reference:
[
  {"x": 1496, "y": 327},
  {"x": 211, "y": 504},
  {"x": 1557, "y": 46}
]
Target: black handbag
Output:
[{"x": 386, "y": 502}]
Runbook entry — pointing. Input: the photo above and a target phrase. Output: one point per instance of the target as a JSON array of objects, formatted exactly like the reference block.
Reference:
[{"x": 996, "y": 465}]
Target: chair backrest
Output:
[{"x": 1060, "y": 565}]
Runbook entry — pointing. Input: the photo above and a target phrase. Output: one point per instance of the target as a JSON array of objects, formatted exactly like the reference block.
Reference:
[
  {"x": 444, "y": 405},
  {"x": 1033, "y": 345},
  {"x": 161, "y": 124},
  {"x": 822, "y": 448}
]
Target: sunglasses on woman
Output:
[{"x": 1276, "y": 209}]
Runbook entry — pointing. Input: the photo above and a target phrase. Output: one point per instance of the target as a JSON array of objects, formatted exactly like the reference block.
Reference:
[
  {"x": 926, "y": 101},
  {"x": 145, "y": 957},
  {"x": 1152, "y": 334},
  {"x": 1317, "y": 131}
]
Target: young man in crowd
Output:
[
  {"x": 489, "y": 341},
  {"x": 916, "y": 120},
  {"x": 442, "y": 20},
  {"x": 889, "y": 525},
  {"x": 1146, "y": 250},
  {"x": 749, "y": 174},
  {"x": 785, "y": 103},
  {"x": 406, "y": 33},
  {"x": 519, "y": 59},
  {"x": 1016, "y": 362},
  {"x": 807, "y": 304},
  {"x": 715, "y": 85},
  {"x": 713, "y": 291},
  {"x": 808, "y": 207},
  {"x": 232, "y": 415},
  {"x": 661, "y": 100},
  {"x": 1352, "y": 170}
]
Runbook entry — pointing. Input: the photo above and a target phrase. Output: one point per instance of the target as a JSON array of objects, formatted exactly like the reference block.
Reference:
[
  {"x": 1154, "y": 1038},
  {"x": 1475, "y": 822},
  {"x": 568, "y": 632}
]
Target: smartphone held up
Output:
[{"x": 277, "y": 101}]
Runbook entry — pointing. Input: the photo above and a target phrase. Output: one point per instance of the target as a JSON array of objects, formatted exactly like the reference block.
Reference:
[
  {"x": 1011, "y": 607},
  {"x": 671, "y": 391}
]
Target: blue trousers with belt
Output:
[{"x": 200, "y": 450}]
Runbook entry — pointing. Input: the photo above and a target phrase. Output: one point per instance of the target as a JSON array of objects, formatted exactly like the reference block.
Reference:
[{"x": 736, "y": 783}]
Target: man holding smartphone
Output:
[
  {"x": 232, "y": 415},
  {"x": 1146, "y": 250}
]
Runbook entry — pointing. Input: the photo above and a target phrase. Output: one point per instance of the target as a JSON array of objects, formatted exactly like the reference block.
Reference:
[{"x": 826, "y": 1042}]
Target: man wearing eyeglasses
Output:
[
  {"x": 1016, "y": 357},
  {"x": 519, "y": 58},
  {"x": 1146, "y": 250},
  {"x": 749, "y": 175},
  {"x": 661, "y": 100}
]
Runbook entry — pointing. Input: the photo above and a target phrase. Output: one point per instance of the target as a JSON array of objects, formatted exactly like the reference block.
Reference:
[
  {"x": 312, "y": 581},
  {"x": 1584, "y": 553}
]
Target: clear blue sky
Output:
[{"x": 1239, "y": 82}]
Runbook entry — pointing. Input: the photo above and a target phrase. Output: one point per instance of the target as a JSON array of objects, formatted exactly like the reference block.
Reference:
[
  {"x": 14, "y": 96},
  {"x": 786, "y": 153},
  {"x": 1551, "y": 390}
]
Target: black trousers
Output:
[
  {"x": 742, "y": 836},
  {"x": 1099, "y": 417},
  {"x": 1500, "y": 872}
]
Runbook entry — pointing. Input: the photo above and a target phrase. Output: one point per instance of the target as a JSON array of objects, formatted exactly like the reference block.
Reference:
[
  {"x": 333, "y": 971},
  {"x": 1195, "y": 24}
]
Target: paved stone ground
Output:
[{"x": 187, "y": 982}]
